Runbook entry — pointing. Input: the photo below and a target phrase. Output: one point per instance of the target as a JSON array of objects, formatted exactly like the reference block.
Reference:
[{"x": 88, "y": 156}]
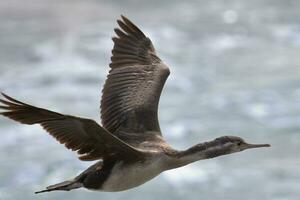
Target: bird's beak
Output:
[{"x": 251, "y": 146}]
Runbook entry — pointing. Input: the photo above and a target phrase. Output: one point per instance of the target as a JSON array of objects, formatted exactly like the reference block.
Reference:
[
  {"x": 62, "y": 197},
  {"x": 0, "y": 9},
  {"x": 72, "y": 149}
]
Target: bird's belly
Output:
[{"x": 123, "y": 177}]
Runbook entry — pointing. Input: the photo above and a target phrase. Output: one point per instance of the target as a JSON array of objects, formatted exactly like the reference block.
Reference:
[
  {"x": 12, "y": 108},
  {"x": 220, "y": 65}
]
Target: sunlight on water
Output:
[{"x": 234, "y": 71}]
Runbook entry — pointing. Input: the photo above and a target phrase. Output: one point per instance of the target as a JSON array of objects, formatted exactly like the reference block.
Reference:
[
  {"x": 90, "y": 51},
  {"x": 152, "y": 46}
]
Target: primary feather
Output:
[{"x": 134, "y": 83}]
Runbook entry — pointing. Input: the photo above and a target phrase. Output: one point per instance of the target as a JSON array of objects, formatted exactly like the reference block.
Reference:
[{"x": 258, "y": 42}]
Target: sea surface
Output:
[{"x": 235, "y": 70}]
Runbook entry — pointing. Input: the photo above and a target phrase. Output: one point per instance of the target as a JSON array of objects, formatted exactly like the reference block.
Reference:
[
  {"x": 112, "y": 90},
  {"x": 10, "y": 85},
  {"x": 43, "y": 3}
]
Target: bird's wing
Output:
[
  {"x": 132, "y": 90},
  {"x": 85, "y": 136}
]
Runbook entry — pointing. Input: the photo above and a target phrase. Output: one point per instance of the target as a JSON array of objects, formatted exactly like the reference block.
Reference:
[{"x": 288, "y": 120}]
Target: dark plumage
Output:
[{"x": 129, "y": 145}]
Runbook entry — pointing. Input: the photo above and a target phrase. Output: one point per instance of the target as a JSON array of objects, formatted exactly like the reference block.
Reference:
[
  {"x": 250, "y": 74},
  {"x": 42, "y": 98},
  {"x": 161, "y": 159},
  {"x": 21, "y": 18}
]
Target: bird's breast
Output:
[{"x": 125, "y": 176}]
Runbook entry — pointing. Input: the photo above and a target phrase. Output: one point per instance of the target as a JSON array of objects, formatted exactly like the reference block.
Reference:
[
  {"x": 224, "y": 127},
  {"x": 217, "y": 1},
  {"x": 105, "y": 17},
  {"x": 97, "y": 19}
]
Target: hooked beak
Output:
[{"x": 251, "y": 146}]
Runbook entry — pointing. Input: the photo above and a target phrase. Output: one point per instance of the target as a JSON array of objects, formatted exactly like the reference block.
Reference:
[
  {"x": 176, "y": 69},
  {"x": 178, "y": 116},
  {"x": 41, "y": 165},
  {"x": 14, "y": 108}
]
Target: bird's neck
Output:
[{"x": 201, "y": 151}]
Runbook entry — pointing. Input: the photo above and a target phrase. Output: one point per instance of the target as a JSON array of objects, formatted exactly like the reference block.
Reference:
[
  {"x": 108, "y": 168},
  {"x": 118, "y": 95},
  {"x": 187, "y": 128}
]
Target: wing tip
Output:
[
  {"x": 5, "y": 102},
  {"x": 4, "y": 95},
  {"x": 124, "y": 18},
  {"x": 8, "y": 100},
  {"x": 124, "y": 21},
  {"x": 130, "y": 44}
]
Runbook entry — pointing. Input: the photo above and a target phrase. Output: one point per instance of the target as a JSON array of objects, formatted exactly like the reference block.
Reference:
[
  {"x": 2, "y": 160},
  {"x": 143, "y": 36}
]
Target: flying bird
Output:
[{"x": 129, "y": 147}]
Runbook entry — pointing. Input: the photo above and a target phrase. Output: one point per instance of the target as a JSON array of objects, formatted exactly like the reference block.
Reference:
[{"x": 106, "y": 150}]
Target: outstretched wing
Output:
[
  {"x": 85, "y": 136},
  {"x": 132, "y": 90}
]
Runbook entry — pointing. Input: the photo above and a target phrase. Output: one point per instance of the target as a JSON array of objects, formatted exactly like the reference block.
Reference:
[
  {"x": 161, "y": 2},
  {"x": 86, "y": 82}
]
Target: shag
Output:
[{"x": 129, "y": 147}]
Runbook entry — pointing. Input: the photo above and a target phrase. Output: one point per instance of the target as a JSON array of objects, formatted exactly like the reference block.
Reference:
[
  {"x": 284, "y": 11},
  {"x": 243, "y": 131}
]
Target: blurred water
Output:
[{"x": 234, "y": 71}]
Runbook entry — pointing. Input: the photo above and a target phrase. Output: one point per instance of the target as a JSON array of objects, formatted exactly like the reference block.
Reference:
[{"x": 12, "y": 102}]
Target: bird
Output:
[{"x": 128, "y": 148}]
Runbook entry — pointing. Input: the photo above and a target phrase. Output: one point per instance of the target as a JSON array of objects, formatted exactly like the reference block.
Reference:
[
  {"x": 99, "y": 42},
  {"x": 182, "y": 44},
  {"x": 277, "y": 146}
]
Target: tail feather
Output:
[
  {"x": 66, "y": 186},
  {"x": 77, "y": 182}
]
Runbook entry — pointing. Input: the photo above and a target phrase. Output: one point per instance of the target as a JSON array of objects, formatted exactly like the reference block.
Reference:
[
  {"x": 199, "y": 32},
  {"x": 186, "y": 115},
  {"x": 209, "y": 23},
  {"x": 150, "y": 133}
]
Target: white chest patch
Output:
[{"x": 123, "y": 177}]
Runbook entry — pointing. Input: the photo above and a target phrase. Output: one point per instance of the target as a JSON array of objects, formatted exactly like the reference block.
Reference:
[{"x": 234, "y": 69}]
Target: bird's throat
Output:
[{"x": 198, "y": 152}]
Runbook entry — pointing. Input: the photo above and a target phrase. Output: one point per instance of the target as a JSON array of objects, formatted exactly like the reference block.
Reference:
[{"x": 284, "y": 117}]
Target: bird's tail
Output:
[{"x": 66, "y": 186}]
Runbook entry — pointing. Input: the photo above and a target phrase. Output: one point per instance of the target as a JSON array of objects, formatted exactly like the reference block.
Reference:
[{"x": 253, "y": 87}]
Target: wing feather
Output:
[
  {"x": 133, "y": 86},
  {"x": 85, "y": 136}
]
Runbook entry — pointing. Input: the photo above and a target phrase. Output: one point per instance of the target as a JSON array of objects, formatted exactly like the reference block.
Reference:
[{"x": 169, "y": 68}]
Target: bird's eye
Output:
[{"x": 239, "y": 143}]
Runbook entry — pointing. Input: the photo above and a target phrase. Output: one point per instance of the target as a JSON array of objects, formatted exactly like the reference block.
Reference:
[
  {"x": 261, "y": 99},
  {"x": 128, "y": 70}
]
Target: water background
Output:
[{"x": 234, "y": 71}]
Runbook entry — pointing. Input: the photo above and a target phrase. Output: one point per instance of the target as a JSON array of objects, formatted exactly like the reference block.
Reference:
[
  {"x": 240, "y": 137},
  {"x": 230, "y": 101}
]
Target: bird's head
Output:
[
  {"x": 220, "y": 146},
  {"x": 236, "y": 144}
]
